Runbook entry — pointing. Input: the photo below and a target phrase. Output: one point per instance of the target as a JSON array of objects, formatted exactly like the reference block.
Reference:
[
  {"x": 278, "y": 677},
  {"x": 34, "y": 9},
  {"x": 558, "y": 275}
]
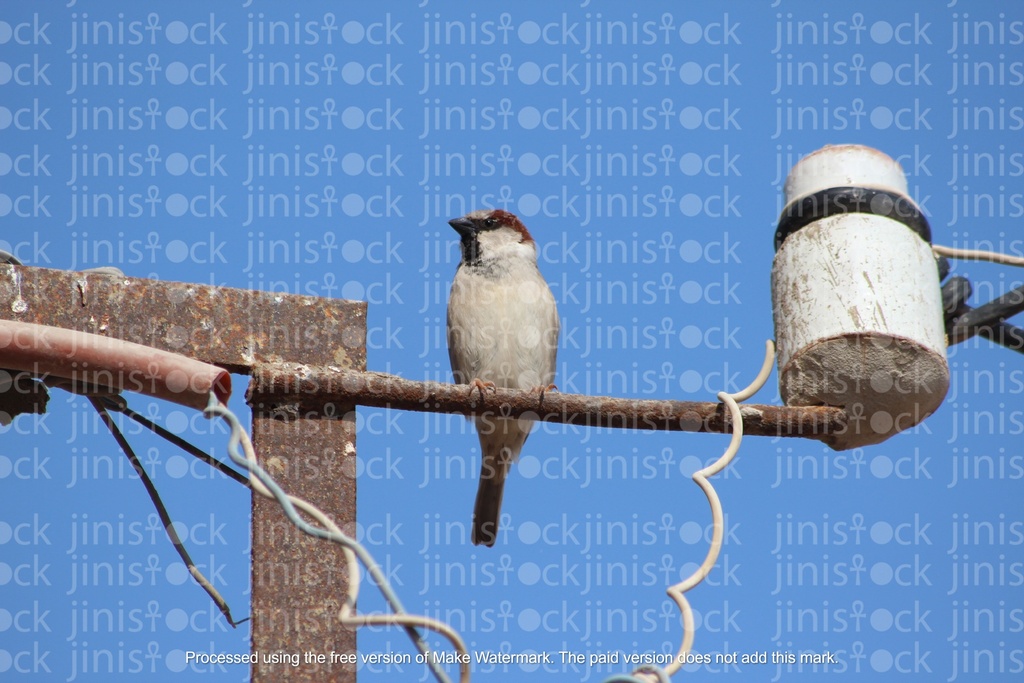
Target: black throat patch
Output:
[{"x": 470, "y": 249}]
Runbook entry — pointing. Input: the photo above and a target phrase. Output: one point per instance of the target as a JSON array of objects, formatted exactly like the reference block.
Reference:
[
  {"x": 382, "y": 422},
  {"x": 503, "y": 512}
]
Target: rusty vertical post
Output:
[{"x": 299, "y": 582}]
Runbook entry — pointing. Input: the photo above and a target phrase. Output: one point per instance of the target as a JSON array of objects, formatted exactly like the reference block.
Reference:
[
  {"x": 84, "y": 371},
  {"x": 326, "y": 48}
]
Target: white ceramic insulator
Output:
[
  {"x": 858, "y": 308},
  {"x": 844, "y": 166}
]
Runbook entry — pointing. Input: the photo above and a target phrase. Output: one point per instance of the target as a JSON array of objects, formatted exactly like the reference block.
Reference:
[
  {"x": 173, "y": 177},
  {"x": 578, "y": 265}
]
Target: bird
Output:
[{"x": 502, "y": 331}]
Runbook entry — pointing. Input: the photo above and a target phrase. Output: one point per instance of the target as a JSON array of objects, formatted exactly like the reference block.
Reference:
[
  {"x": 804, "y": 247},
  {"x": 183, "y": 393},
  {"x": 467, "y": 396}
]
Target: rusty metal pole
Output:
[{"x": 296, "y": 581}]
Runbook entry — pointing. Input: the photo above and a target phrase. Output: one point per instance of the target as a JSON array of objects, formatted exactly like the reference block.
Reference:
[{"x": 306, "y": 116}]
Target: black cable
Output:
[
  {"x": 122, "y": 407},
  {"x": 964, "y": 322},
  {"x": 997, "y": 310},
  {"x": 165, "y": 518}
]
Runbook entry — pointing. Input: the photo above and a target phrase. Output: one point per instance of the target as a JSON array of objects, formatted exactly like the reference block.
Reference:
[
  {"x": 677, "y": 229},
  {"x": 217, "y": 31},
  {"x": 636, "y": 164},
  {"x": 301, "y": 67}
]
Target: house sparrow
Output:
[{"x": 502, "y": 331}]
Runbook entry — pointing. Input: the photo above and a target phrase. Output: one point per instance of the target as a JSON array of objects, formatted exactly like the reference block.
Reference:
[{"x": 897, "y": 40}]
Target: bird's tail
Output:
[
  {"x": 487, "y": 508},
  {"x": 501, "y": 441}
]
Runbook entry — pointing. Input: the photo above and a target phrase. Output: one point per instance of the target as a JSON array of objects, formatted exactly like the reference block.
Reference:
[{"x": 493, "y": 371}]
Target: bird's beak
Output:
[{"x": 463, "y": 226}]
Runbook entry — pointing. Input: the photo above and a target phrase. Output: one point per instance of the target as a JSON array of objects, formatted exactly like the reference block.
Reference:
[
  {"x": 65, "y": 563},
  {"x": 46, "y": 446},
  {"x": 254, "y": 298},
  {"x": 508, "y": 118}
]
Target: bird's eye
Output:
[{"x": 490, "y": 223}]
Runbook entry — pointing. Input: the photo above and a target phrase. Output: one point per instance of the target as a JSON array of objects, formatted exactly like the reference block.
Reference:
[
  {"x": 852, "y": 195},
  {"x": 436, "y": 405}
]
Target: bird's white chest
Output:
[{"x": 503, "y": 328}]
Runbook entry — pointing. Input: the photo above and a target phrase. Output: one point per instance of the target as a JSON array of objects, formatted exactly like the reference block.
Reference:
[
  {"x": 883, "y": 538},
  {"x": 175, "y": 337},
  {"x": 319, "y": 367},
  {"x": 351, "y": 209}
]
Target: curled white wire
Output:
[{"x": 677, "y": 591}]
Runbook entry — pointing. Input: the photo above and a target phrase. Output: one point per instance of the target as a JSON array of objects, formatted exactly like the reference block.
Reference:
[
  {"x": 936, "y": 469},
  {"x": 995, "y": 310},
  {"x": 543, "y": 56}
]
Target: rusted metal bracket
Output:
[{"x": 296, "y": 581}]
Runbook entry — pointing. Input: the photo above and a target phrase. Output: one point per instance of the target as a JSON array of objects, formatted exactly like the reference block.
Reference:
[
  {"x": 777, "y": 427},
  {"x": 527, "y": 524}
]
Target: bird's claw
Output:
[
  {"x": 543, "y": 390},
  {"x": 481, "y": 386}
]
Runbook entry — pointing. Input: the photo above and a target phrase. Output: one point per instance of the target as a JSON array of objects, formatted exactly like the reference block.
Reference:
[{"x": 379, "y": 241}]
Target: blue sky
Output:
[{"x": 645, "y": 146}]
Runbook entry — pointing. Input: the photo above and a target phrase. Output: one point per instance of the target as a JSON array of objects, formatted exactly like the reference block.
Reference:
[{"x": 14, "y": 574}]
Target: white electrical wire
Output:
[
  {"x": 263, "y": 484},
  {"x": 977, "y": 255},
  {"x": 718, "y": 523}
]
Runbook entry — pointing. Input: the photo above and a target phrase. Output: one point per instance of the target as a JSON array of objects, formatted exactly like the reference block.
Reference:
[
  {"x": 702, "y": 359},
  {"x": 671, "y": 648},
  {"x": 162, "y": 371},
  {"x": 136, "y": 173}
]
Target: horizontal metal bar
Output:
[
  {"x": 232, "y": 328},
  {"x": 310, "y": 387}
]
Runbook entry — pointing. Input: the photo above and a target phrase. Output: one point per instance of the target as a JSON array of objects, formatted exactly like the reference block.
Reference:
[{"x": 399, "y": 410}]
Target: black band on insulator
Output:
[{"x": 836, "y": 201}]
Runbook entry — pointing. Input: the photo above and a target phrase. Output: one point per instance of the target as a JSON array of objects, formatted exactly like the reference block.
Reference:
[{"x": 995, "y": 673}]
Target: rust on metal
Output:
[
  {"x": 297, "y": 581},
  {"x": 232, "y": 328},
  {"x": 317, "y": 384}
]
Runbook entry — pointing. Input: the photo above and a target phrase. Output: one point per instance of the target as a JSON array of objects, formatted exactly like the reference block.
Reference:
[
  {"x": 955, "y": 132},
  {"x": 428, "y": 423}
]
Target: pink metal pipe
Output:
[{"x": 94, "y": 361}]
